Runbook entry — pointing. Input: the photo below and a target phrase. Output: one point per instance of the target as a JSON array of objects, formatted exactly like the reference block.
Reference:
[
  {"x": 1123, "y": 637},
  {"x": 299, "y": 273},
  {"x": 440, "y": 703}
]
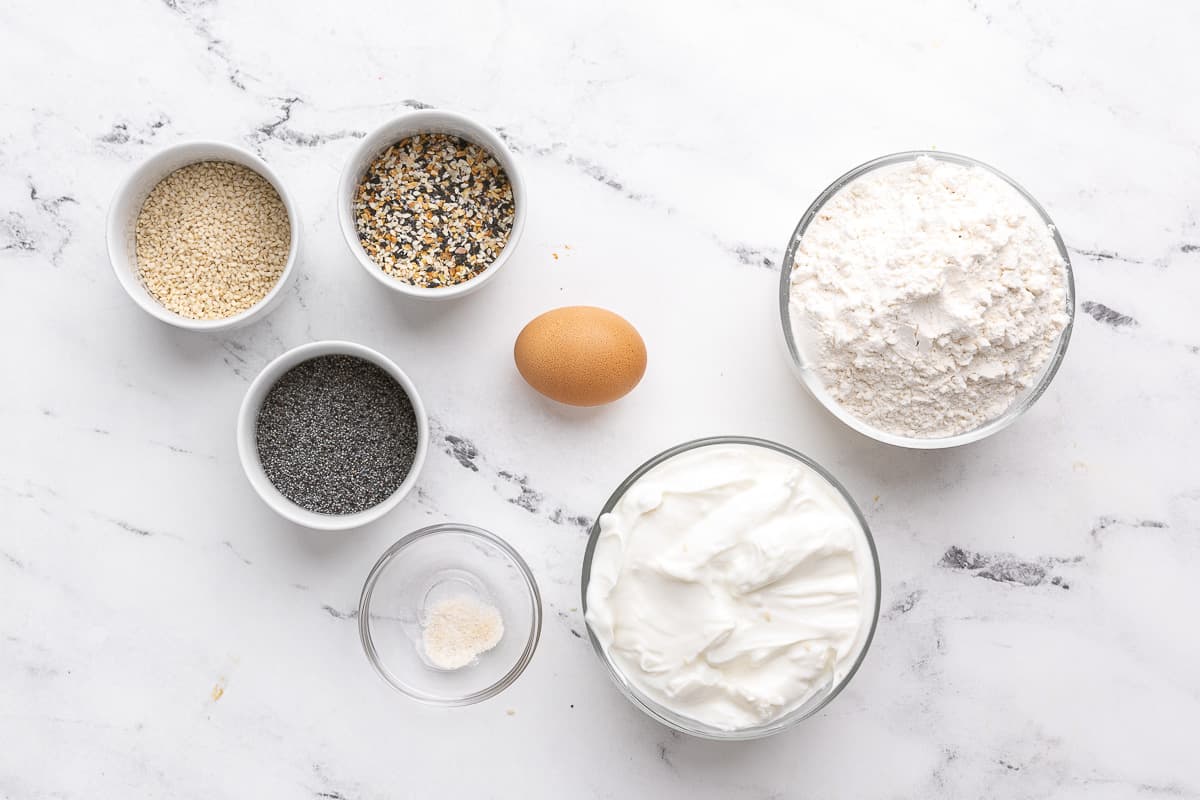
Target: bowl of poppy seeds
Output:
[
  {"x": 431, "y": 204},
  {"x": 203, "y": 236},
  {"x": 332, "y": 435}
]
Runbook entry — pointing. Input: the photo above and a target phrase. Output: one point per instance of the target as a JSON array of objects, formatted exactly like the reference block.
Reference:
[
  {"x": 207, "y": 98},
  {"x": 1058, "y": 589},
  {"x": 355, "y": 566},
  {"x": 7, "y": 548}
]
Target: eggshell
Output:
[{"x": 581, "y": 355}]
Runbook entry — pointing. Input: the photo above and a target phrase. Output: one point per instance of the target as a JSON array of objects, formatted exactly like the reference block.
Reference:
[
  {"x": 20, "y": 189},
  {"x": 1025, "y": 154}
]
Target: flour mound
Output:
[{"x": 929, "y": 295}]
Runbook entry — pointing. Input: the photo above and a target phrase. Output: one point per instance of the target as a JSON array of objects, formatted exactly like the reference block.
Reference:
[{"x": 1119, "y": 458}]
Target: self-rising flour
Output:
[{"x": 928, "y": 295}]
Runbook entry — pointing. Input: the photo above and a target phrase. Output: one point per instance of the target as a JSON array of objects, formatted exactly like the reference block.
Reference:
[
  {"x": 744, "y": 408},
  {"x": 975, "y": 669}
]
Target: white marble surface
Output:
[{"x": 162, "y": 634}]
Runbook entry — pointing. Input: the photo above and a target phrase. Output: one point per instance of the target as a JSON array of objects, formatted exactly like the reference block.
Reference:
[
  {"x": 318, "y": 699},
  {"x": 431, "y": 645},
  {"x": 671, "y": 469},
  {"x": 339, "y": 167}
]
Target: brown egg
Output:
[{"x": 581, "y": 355}]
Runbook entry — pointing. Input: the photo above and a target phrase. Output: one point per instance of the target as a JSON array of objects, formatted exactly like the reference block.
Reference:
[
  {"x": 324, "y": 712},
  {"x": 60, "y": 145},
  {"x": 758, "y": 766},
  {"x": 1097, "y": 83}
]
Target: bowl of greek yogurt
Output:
[
  {"x": 927, "y": 299},
  {"x": 731, "y": 587}
]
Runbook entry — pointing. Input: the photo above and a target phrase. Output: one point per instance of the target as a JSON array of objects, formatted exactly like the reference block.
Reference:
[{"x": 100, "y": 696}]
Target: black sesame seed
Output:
[{"x": 336, "y": 434}]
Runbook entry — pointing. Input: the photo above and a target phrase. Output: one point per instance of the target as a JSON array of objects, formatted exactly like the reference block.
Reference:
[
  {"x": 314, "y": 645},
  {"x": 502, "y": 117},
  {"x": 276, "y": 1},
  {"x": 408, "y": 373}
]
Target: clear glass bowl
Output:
[
  {"x": 435, "y": 563},
  {"x": 685, "y": 724},
  {"x": 811, "y": 378}
]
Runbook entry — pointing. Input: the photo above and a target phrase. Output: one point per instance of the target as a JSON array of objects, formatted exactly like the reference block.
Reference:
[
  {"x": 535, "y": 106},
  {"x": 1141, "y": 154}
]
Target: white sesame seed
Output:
[{"x": 212, "y": 240}]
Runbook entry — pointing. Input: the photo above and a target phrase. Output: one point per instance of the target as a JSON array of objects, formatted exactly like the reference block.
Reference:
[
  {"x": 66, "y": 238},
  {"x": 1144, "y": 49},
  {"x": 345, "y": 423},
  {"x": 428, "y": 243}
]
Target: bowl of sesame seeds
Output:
[
  {"x": 431, "y": 204},
  {"x": 203, "y": 236},
  {"x": 332, "y": 435}
]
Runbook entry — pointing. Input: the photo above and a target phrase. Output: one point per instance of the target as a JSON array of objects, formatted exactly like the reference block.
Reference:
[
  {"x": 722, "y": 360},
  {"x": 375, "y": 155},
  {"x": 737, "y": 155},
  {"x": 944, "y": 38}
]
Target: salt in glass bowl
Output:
[
  {"x": 247, "y": 436},
  {"x": 127, "y": 205},
  {"x": 398, "y": 129},
  {"x": 435, "y": 563},
  {"x": 807, "y": 370},
  {"x": 818, "y": 701}
]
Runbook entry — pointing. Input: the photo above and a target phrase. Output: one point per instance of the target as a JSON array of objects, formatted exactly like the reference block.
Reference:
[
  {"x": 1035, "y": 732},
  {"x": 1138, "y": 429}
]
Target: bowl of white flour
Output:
[{"x": 927, "y": 299}]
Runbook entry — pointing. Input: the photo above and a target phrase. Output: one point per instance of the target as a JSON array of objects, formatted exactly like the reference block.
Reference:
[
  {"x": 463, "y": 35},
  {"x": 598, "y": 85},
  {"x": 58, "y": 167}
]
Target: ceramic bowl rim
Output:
[
  {"x": 248, "y": 450},
  {"x": 397, "y": 129},
  {"x": 125, "y": 269}
]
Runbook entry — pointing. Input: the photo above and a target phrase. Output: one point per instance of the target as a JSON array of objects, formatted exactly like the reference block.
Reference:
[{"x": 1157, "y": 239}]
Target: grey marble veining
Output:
[{"x": 164, "y": 634}]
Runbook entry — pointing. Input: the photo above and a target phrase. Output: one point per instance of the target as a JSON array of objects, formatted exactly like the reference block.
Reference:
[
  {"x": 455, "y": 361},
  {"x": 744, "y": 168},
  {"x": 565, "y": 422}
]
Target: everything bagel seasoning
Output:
[{"x": 434, "y": 210}]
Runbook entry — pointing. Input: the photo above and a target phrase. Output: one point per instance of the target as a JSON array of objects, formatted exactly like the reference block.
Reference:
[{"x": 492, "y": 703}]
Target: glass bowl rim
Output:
[
  {"x": 676, "y": 721},
  {"x": 813, "y": 383},
  {"x": 364, "y": 606}
]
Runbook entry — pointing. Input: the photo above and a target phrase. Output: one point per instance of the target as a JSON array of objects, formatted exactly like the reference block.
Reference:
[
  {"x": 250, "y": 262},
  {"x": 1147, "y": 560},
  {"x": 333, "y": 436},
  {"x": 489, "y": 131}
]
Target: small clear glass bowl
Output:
[
  {"x": 807, "y": 370},
  {"x": 685, "y": 724},
  {"x": 434, "y": 563}
]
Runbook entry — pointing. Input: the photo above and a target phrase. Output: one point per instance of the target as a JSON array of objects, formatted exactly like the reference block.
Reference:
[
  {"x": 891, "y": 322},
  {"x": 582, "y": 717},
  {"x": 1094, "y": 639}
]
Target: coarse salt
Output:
[{"x": 458, "y": 629}]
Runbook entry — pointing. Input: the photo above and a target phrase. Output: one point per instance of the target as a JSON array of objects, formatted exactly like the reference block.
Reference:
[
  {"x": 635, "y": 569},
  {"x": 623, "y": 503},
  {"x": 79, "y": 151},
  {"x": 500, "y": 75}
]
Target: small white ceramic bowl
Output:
[
  {"x": 247, "y": 439},
  {"x": 127, "y": 204},
  {"x": 402, "y": 127}
]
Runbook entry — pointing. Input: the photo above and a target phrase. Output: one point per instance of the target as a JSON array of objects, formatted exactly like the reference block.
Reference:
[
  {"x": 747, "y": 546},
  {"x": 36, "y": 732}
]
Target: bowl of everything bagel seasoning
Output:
[
  {"x": 431, "y": 204},
  {"x": 203, "y": 236},
  {"x": 927, "y": 299},
  {"x": 332, "y": 435}
]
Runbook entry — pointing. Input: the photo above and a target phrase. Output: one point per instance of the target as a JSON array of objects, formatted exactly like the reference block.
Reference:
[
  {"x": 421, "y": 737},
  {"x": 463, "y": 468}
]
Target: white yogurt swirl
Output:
[{"x": 731, "y": 584}]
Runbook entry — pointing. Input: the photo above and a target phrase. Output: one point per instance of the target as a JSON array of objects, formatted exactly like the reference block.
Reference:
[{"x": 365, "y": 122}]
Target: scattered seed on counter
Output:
[
  {"x": 212, "y": 240},
  {"x": 336, "y": 434},
  {"x": 434, "y": 210}
]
